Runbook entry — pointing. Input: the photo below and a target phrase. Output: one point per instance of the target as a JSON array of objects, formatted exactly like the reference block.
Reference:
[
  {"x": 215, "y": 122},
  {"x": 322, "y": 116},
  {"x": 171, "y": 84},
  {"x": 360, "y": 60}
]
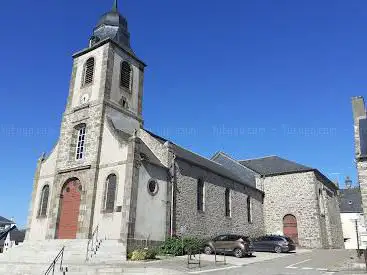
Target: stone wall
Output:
[
  {"x": 362, "y": 179},
  {"x": 359, "y": 112},
  {"x": 293, "y": 194},
  {"x": 298, "y": 194},
  {"x": 330, "y": 220},
  {"x": 212, "y": 221}
]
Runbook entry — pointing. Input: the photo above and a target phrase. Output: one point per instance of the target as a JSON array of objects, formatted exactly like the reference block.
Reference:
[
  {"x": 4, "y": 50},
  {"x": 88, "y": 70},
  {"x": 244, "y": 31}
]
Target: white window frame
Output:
[
  {"x": 80, "y": 143},
  {"x": 202, "y": 196},
  {"x": 229, "y": 202},
  {"x": 249, "y": 210}
]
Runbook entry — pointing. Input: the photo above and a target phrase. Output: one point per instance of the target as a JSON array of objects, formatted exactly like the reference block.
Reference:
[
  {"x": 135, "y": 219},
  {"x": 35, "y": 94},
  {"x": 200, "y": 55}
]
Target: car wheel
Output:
[
  {"x": 238, "y": 253},
  {"x": 278, "y": 249},
  {"x": 208, "y": 250}
]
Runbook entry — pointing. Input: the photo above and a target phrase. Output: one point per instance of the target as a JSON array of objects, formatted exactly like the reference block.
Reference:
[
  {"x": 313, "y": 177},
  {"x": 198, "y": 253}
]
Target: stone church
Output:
[{"x": 107, "y": 171}]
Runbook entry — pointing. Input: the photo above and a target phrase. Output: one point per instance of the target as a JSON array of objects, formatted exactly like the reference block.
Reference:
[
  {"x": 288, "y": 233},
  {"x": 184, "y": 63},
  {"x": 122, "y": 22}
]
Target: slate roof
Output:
[
  {"x": 236, "y": 168},
  {"x": 274, "y": 165},
  {"x": 5, "y": 221},
  {"x": 351, "y": 200},
  {"x": 182, "y": 153}
]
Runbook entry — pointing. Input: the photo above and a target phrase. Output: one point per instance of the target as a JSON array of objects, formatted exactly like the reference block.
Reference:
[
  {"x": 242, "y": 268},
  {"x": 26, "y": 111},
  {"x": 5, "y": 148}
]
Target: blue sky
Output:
[{"x": 251, "y": 78}]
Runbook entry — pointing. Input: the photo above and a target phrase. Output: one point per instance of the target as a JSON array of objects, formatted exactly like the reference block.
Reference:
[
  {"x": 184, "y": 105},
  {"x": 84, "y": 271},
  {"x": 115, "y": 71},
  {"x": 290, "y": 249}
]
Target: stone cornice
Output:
[
  {"x": 122, "y": 110},
  {"x": 109, "y": 40},
  {"x": 73, "y": 169}
]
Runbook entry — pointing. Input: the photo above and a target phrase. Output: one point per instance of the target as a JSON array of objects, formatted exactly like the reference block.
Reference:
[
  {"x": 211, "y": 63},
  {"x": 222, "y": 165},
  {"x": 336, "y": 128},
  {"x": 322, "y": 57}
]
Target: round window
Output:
[{"x": 153, "y": 187}]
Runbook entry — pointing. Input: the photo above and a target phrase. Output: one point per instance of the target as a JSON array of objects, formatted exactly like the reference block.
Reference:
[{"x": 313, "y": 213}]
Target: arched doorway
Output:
[
  {"x": 290, "y": 227},
  {"x": 69, "y": 209}
]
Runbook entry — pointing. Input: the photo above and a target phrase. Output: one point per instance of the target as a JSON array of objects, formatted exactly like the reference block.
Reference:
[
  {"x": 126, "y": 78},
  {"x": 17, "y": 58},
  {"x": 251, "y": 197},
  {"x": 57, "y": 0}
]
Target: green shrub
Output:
[
  {"x": 151, "y": 253},
  {"x": 177, "y": 246},
  {"x": 138, "y": 255},
  {"x": 193, "y": 245},
  {"x": 143, "y": 254}
]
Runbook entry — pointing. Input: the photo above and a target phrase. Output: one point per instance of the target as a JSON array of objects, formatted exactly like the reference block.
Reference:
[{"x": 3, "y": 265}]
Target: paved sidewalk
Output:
[
  {"x": 178, "y": 265},
  {"x": 256, "y": 258}
]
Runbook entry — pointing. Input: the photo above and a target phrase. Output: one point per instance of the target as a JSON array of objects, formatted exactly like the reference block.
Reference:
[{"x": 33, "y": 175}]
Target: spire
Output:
[{"x": 115, "y": 6}]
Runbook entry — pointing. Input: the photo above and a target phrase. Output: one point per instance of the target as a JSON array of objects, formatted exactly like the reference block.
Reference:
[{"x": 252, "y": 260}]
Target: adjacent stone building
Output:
[
  {"x": 107, "y": 171},
  {"x": 360, "y": 145},
  {"x": 299, "y": 201}
]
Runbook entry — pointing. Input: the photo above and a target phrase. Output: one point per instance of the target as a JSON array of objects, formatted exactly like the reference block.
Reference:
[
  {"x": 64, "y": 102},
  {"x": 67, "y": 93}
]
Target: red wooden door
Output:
[
  {"x": 290, "y": 227},
  {"x": 69, "y": 212}
]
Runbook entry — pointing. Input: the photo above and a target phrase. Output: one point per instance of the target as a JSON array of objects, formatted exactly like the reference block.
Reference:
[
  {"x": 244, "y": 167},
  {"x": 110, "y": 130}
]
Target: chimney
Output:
[{"x": 359, "y": 109}]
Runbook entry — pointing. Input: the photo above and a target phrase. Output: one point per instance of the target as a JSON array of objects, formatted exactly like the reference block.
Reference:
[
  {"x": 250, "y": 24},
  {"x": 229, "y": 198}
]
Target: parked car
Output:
[
  {"x": 274, "y": 243},
  {"x": 230, "y": 243}
]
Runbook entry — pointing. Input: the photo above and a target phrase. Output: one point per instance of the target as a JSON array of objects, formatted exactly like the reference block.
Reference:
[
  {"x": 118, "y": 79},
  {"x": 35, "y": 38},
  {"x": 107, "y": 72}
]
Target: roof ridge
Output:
[
  {"x": 223, "y": 154},
  {"x": 259, "y": 158}
]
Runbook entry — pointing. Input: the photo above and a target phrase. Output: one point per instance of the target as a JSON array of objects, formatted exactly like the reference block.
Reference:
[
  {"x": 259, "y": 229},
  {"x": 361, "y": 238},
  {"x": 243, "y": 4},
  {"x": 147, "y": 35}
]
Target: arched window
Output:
[
  {"x": 88, "y": 73},
  {"x": 80, "y": 142},
  {"x": 42, "y": 210},
  {"x": 200, "y": 195},
  {"x": 110, "y": 193},
  {"x": 249, "y": 210},
  {"x": 125, "y": 77},
  {"x": 227, "y": 199}
]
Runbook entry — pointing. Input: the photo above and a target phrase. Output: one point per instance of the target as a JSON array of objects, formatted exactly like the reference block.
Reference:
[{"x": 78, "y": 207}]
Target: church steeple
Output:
[{"x": 114, "y": 26}]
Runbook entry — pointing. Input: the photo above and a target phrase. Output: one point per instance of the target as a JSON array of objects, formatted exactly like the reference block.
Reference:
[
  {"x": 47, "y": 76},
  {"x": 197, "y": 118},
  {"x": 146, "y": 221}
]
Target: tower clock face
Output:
[{"x": 85, "y": 99}]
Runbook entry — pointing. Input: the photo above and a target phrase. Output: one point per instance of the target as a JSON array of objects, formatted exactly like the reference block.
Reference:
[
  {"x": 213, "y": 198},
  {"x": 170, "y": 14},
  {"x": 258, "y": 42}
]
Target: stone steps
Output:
[{"x": 33, "y": 258}]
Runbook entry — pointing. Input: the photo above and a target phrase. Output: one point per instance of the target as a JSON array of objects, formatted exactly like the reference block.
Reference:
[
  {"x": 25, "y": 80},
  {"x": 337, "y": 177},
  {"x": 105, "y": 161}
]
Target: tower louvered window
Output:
[
  {"x": 125, "y": 77},
  {"x": 80, "y": 145},
  {"x": 110, "y": 193},
  {"x": 42, "y": 210},
  {"x": 88, "y": 71}
]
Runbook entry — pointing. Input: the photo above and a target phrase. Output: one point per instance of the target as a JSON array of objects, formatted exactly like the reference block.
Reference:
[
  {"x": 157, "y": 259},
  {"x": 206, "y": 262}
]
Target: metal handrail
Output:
[
  {"x": 93, "y": 242},
  {"x": 54, "y": 262}
]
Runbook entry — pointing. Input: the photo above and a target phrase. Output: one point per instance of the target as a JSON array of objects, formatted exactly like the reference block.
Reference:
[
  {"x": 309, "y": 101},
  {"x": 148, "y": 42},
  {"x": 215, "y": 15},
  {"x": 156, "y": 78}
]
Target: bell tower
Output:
[{"x": 104, "y": 109}]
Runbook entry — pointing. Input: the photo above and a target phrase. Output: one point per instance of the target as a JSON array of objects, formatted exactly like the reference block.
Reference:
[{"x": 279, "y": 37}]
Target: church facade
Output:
[{"x": 107, "y": 171}]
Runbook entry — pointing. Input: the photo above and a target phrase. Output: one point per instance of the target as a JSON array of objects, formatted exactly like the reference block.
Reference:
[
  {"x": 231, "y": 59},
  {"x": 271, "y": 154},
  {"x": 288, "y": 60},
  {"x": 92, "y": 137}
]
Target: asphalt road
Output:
[{"x": 316, "y": 262}]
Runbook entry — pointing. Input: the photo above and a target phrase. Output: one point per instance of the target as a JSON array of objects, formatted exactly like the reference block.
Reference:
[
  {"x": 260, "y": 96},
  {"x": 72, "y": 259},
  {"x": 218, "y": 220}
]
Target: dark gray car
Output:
[
  {"x": 238, "y": 245},
  {"x": 274, "y": 243}
]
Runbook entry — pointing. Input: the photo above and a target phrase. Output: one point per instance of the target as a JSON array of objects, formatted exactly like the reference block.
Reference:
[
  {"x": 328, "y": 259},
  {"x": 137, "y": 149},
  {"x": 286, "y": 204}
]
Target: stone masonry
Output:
[
  {"x": 297, "y": 194},
  {"x": 359, "y": 112},
  {"x": 212, "y": 220}
]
